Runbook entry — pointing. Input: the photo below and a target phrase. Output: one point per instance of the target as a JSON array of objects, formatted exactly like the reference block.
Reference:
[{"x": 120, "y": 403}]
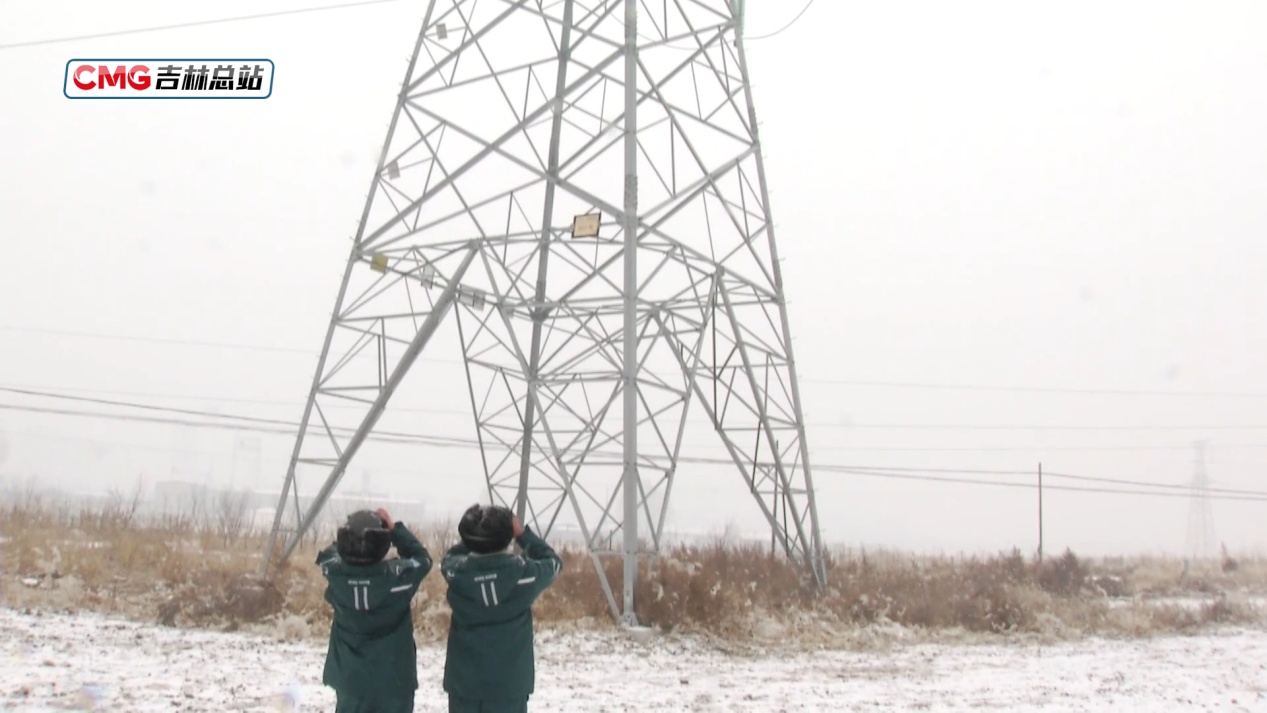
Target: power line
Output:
[
  {"x": 753, "y": 38},
  {"x": 1042, "y": 427},
  {"x": 890, "y": 426},
  {"x": 454, "y": 442},
  {"x": 296, "y": 11},
  {"x": 900, "y": 473},
  {"x": 783, "y": 29},
  {"x": 194, "y": 23},
  {"x": 149, "y": 407},
  {"x": 107, "y": 445},
  {"x": 1029, "y": 449},
  {"x": 1039, "y": 389},
  {"x": 1046, "y": 427},
  {"x": 859, "y": 470},
  {"x": 1031, "y": 486},
  {"x": 212, "y": 414},
  {"x": 399, "y": 439},
  {"x": 144, "y": 419},
  {"x": 804, "y": 380},
  {"x": 156, "y": 340},
  {"x": 961, "y": 471},
  {"x": 1186, "y": 488},
  {"x": 98, "y": 444},
  {"x": 51, "y": 392}
]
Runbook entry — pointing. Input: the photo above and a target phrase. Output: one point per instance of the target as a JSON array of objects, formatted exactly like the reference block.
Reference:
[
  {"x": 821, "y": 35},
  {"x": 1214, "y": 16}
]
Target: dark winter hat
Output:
[
  {"x": 486, "y": 528},
  {"x": 364, "y": 539}
]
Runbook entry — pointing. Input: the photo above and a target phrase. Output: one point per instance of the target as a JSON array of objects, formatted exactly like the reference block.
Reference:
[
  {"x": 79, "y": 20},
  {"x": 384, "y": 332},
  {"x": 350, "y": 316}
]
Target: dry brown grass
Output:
[{"x": 183, "y": 570}]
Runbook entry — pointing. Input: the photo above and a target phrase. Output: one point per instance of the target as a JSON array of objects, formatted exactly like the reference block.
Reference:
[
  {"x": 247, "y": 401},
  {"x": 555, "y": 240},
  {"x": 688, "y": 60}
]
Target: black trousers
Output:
[
  {"x": 467, "y": 705},
  {"x": 349, "y": 704}
]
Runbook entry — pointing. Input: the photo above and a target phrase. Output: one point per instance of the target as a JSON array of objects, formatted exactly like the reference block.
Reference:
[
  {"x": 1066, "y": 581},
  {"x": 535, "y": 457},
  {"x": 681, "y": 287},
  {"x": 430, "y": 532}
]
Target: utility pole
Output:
[{"x": 1040, "y": 513}]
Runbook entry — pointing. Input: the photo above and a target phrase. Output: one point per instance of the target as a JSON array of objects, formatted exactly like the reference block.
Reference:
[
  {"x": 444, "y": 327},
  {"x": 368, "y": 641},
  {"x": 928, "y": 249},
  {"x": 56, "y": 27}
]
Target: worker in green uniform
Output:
[
  {"x": 372, "y": 660},
  {"x": 489, "y": 665}
]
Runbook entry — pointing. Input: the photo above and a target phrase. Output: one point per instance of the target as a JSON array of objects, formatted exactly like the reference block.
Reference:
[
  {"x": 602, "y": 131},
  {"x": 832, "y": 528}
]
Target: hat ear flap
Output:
[{"x": 345, "y": 543}]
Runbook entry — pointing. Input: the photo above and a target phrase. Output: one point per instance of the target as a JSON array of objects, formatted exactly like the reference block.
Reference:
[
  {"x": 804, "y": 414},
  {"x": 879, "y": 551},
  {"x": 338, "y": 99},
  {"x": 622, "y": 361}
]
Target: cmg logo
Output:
[
  {"x": 87, "y": 76},
  {"x": 168, "y": 79}
]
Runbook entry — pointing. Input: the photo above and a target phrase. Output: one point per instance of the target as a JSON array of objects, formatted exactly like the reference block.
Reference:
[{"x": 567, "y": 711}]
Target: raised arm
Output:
[
  {"x": 325, "y": 556},
  {"x": 407, "y": 545},
  {"x": 410, "y": 547},
  {"x": 542, "y": 564},
  {"x": 415, "y": 561}
]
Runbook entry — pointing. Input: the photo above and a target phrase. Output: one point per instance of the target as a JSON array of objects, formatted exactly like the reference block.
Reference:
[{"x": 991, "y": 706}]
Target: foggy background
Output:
[{"x": 1010, "y": 235}]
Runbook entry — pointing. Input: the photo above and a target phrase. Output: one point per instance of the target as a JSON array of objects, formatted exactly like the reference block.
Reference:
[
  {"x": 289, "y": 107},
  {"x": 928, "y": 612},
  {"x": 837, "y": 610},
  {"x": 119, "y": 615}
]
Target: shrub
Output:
[{"x": 197, "y": 569}]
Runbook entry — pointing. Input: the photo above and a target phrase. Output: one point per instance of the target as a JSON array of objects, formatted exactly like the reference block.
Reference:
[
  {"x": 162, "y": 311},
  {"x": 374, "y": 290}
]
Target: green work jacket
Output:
[
  {"x": 490, "y": 653},
  {"x": 372, "y": 654}
]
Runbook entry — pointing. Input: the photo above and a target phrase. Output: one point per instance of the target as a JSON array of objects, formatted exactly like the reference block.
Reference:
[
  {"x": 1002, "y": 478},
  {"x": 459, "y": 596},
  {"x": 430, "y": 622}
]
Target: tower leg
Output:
[
  {"x": 346, "y": 450},
  {"x": 629, "y": 343}
]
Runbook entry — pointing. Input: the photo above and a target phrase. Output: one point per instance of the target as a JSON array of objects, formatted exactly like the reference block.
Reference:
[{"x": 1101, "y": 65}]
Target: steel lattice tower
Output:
[
  {"x": 579, "y": 186},
  {"x": 1200, "y": 520}
]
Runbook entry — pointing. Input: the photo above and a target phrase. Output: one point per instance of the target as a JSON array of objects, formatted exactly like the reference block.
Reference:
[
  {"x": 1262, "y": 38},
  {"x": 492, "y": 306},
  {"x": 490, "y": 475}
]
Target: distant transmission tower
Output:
[
  {"x": 247, "y": 463},
  {"x": 1200, "y": 521},
  {"x": 579, "y": 185},
  {"x": 188, "y": 464}
]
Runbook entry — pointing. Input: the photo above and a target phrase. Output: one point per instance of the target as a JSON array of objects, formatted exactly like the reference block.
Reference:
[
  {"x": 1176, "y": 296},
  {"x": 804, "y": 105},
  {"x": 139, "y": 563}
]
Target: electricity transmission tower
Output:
[
  {"x": 578, "y": 186},
  {"x": 1200, "y": 520},
  {"x": 247, "y": 458}
]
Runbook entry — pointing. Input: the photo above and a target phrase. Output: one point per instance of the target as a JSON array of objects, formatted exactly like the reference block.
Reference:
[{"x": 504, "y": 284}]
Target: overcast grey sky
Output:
[{"x": 1060, "y": 196}]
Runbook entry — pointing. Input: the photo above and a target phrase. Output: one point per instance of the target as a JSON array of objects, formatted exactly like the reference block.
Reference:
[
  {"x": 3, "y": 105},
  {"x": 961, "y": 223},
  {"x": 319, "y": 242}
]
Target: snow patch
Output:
[{"x": 53, "y": 661}]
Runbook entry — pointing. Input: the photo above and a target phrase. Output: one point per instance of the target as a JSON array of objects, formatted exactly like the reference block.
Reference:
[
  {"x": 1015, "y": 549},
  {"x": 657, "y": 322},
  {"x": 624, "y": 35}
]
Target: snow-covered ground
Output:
[{"x": 81, "y": 661}]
